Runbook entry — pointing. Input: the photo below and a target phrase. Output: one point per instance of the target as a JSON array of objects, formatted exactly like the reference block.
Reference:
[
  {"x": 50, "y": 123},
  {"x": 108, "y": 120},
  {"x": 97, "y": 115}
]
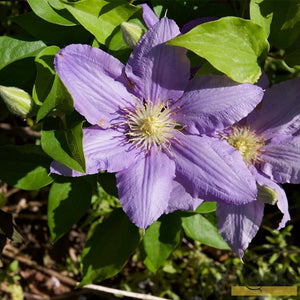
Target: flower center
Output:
[
  {"x": 151, "y": 124},
  {"x": 247, "y": 142}
]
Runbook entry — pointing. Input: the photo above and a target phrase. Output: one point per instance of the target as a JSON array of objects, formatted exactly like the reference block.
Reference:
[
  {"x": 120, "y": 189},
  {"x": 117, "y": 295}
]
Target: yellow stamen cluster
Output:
[
  {"x": 247, "y": 142},
  {"x": 151, "y": 124}
]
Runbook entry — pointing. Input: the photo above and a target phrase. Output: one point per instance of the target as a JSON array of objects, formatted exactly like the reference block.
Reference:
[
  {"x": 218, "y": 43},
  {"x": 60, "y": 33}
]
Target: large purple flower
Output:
[
  {"x": 269, "y": 142},
  {"x": 139, "y": 115}
]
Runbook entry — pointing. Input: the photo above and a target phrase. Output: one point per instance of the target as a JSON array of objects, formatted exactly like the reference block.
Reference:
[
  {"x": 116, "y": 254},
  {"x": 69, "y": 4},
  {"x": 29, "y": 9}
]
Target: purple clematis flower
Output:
[
  {"x": 268, "y": 139},
  {"x": 139, "y": 115}
]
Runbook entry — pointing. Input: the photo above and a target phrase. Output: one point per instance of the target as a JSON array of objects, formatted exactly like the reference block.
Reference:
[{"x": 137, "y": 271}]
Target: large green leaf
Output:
[
  {"x": 280, "y": 19},
  {"x": 101, "y": 17},
  {"x": 160, "y": 240},
  {"x": 13, "y": 49},
  {"x": 45, "y": 74},
  {"x": 58, "y": 98},
  {"x": 45, "y": 11},
  {"x": 63, "y": 141},
  {"x": 25, "y": 167},
  {"x": 203, "y": 229},
  {"x": 69, "y": 199},
  {"x": 232, "y": 45},
  {"x": 109, "y": 248}
]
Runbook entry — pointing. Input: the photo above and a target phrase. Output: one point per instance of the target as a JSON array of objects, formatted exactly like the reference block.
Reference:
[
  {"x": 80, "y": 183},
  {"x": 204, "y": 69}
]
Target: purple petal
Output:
[
  {"x": 263, "y": 80},
  {"x": 157, "y": 70},
  {"x": 104, "y": 149},
  {"x": 212, "y": 170},
  {"x": 180, "y": 199},
  {"x": 145, "y": 187},
  {"x": 282, "y": 202},
  {"x": 281, "y": 159},
  {"x": 94, "y": 79},
  {"x": 238, "y": 224},
  {"x": 280, "y": 111},
  {"x": 215, "y": 102},
  {"x": 149, "y": 16}
]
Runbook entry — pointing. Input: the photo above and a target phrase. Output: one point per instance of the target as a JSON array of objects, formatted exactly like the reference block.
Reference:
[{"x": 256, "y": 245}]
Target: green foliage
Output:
[
  {"x": 13, "y": 49},
  {"x": 25, "y": 167},
  {"x": 62, "y": 140},
  {"x": 69, "y": 199},
  {"x": 52, "y": 34},
  {"x": 203, "y": 229},
  {"x": 237, "y": 54},
  {"x": 100, "y": 17},
  {"x": 46, "y": 11},
  {"x": 108, "y": 248},
  {"x": 279, "y": 19},
  {"x": 160, "y": 240},
  {"x": 45, "y": 74}
]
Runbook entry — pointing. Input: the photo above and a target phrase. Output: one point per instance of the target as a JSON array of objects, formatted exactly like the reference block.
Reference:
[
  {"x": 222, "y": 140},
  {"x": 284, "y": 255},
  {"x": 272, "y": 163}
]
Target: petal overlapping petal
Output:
[
  {"x": 238, "y": 224},
  {"x": 145, "y": 187},
  {"x": 281, "y": 159},
  {"x": 280, "y": 110},
  {"x": 212, "y": 170},
  {"x": 213, "y": 103},
  {"x": 282, "y": 202},
  {"x": 180, "y": 199},
  {"x": 158, "y": 71},
  {"x": 104, "y": 149},
  {"x": 95, "y": 81}
]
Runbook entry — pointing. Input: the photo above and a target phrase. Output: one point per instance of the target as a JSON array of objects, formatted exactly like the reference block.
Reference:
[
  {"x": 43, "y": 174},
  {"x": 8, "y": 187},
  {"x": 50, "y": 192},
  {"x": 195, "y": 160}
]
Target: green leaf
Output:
[
  {"x": 45, "y": 11},
  {"x": 13, "y": 49},
  {"x": 69, "y": 199},
  {"x": 25, "y": 167},
  {"x": 52, "y": 34},
  {"x": 204, "y": 230},
  {"x": 160, "y": 240},
  {"x": 63, "y": 141},
  {"x": 101, "y": 17},
  {"x": 207, "y": 207},
  {"x": 45, "y": 74},
  {"x": 232, "y": 45},
  {"x": 58, "y": 98},
  {"x": 280, "y": 19},
  {"x": 109, "y": 248}
]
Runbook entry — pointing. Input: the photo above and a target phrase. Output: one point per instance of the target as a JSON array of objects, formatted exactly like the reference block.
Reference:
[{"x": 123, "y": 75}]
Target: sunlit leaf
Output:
[{"x": 232, "y": 45}]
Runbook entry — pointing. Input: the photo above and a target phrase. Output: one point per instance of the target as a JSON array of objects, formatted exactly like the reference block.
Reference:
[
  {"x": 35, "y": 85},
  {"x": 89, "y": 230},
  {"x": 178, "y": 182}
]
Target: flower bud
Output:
[
  {"x": 131, "y": 33},
  {"x": 266, "y": 194},
  {"x": 17, "y": 100}
]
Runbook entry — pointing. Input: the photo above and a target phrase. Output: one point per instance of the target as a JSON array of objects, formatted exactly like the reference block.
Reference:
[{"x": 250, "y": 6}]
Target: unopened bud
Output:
[
  {"x": 131, "y": 33},
  {"x": 17, "y": 100},
  {"x": 266, "y": 194}
]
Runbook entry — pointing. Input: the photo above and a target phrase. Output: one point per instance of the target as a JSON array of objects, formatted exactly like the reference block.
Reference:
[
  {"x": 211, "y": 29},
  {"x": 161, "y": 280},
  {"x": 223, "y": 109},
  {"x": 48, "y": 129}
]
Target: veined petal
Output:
[
  {"x": 145, "y": 187},
  {"x": 280, "y": 110},
  {"x": 95, "y": 81},
  {"x": 212, "y": 170},
  {"x": 149, "y": 16},
  {"x": 281, "y": 159},
  {"x": 238, "y": 224},
  {"x": 180, "y": 199},
  {"x": 282, "y": 202},
  {"x": 104, "y": 149},
  {"x": 213, "y": 103},
  {"x": 158, "y": 71}
]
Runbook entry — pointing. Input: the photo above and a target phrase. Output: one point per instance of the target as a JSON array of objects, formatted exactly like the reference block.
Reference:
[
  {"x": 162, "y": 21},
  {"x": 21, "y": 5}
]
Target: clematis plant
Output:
[
  {"x": 151, "y": 125},
  {"x": 269, "y": 142}
]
